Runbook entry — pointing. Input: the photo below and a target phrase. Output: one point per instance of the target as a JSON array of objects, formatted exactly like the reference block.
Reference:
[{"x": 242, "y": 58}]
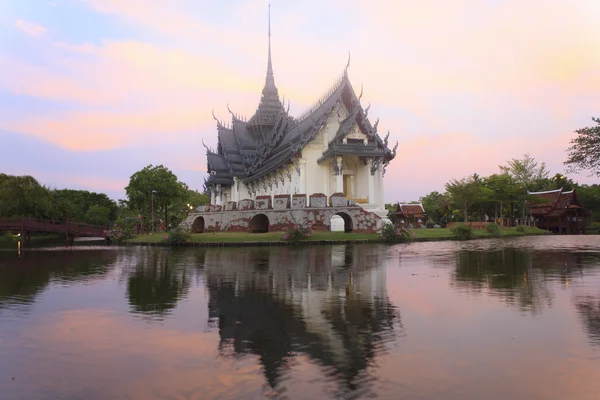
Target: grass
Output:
[
  {"x": 445, "y": 233},
  {"x": 241, "y": 237}
]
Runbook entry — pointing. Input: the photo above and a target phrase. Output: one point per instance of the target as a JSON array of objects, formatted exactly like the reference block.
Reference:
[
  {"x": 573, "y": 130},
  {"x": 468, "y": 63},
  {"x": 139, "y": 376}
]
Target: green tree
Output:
[
  {"x": 584, "y": 152},
  {"x": 155, "y": 184},
  {"x": 433, "y": 205},
  {"x": 467, "y": 192},
  {"x": 97, "y": 215},
  {"x": 24, "y": 196},
  {"x": 504, "y": 191},
  {"x": 529, "y": 174},
  {"x": 526, "y": 172}
]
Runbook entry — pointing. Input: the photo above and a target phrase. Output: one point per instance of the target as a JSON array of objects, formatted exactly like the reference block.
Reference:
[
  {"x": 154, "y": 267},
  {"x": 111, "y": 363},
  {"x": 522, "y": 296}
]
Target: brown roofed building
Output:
[
  {"x": 557, "y": 211},
  {"x": 410, "y": 213}
]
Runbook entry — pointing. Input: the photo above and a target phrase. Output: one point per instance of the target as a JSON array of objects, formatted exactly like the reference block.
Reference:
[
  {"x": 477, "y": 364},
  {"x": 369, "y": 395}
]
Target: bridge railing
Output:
[{"x": 46, "y": 225}]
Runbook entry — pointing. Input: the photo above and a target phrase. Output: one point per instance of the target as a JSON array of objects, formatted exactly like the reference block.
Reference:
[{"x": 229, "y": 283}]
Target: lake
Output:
[{"x": 485, "y": 319}]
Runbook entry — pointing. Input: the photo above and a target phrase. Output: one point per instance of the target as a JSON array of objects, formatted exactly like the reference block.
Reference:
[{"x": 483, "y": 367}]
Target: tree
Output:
[
  {"x": 529, "y": 174},
  {"x": 97, "y": 215},
  {"x": 503, "y": 191},
  {"x": 584, "y": 153},
  {"x": 154, "y": 183},
  {"x": 466, "y": 192},
  {"x": 526, "y": 172},
  {"x": 24, "y": 196}
]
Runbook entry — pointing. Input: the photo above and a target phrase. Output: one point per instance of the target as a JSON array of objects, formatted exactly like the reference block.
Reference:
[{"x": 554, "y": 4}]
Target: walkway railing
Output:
[{"x": 51, "y": 226}]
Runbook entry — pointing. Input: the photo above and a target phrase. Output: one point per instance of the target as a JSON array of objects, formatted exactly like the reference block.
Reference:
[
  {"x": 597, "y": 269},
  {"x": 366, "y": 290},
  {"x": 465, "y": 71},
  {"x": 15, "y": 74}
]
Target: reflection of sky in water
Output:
[{"x": 517, "y": 318}]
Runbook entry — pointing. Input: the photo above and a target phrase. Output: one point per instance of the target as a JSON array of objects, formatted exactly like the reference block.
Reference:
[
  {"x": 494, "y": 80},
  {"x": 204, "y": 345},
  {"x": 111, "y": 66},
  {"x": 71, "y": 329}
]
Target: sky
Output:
[{"x": 91, "y": 91}]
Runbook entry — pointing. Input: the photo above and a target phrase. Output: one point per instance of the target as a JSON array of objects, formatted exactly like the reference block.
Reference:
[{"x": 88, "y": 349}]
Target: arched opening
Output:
[
  {"x": 198, "y": 225},
  {"x": 259, "y": 224},
  {"x": 341, "y": 222}
]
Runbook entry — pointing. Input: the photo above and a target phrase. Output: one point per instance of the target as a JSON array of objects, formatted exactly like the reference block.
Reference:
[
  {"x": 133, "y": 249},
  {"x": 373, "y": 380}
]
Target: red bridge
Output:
[{"x": 69, "y": 229}]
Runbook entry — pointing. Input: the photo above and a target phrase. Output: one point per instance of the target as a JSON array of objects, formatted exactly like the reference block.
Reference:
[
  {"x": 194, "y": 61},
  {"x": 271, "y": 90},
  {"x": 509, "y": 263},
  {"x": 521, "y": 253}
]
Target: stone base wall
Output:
[{"x": 362, "y": 221}]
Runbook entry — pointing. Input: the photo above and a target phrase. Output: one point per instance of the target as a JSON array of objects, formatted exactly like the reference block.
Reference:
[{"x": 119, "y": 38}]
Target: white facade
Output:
[{"x": 306, "y": 176}]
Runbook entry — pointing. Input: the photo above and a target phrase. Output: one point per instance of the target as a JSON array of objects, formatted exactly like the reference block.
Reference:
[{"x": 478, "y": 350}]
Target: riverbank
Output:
[{"x": 274, "y": 238}]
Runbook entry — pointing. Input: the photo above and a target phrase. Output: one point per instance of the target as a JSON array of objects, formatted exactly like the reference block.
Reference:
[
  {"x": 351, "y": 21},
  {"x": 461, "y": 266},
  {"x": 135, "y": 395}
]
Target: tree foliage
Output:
[
  {"x": 584, "y": 152},
  {"x": 97, "y": 215},
  {"x": 466, "y": 192},
  {"x": 155, "y": 184},
  {"x": 503, "y": 195},
  {"x": 24, "y": 196},
  {"x": 527, "y": 172}
]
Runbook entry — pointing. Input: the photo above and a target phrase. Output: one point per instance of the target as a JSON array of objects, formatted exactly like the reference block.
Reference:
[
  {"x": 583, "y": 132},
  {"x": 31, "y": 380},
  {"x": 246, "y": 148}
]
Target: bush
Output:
[
  {"x": 178, "y": 236},
  {"x": 520, "y": 228},
  {"x": 429, "y": 225},
  {"x": 462, "y": 231},
  {"x": 493, "y": 229},
  {"x": 594, "y": 227},
  {"x": 395, "y": 234},
  {"x": 298, "y": 232},
  {"x": 120, "y": 231}
]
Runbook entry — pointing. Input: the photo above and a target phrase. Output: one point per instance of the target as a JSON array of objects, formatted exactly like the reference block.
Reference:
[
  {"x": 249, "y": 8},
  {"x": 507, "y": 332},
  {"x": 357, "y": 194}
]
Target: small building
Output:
[
  {"x": 410, "y": 214},
  {"x": 557, "y": 211}
]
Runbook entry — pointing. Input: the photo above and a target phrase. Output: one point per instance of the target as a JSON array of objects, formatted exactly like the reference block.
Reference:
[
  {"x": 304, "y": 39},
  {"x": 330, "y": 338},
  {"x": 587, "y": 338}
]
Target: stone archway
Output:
[
  {"x": 198, "y": 225},
  {"x": 341, "y": 222},
  {"x": 259, "y": 224}
]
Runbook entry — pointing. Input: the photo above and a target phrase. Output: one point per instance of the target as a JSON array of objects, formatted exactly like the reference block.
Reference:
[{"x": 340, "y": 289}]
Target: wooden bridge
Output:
[{"x": 70, "y": 229}]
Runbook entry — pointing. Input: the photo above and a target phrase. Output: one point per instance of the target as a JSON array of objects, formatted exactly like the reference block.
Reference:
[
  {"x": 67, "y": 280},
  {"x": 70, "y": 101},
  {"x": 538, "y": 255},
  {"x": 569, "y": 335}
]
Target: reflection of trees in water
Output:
[
  {"x": 158, "y": 279},
  {"x": 23, "y": 278},
  {"x": 517, "y": 275},
  {"x": 327, "y": 302},
  {"x": 588, "y": 308}
]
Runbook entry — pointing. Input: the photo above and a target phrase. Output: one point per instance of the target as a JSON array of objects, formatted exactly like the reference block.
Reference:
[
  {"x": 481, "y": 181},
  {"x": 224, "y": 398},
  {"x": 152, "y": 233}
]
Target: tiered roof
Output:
[
  {"x": 552, "y": 202},
  {"x": 271, "y": 138},
  {"x": 410, "y": 210}
]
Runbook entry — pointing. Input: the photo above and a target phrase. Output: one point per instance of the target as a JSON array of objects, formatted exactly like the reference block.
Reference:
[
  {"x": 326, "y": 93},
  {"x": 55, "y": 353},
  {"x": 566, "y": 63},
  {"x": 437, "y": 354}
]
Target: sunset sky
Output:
[{"x": 93, "y": 90}]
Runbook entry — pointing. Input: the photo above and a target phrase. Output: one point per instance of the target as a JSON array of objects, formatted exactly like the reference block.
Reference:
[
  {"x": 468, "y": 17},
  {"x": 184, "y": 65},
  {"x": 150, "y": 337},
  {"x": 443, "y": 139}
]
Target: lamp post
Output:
[{"x": 154, "y": 191}]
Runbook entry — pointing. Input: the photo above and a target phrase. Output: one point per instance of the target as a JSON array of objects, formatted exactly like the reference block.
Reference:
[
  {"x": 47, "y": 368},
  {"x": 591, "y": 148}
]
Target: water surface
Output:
[{"x": 495, "y": 319}]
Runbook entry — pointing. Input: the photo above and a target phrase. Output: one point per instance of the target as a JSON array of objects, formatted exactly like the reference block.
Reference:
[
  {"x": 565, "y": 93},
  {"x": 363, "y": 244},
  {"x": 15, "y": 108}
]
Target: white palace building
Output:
[{"x": 331, "y": 149}]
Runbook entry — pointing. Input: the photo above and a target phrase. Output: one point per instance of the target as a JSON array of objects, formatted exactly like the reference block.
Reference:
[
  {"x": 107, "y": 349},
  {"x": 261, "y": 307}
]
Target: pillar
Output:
[
  {"x": 380, "y": 180},
  {"x": 371, "y": 183},
  {"x": 339, "y": 178},
  {"x": 219, "y": 195},
  {"x": 303, "y": 176},
  {"x": 213, "y": 197},
  {"x": 235, "y": 196}
]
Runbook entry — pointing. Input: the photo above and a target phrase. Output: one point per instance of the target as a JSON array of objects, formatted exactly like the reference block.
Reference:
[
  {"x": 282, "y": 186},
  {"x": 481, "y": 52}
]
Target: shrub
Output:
[
  {"x": 520, "y": 228},
  {"x": 298, "y": 232},
  {"x": 178, "y": 236},
  {"x": 594, "y": 227},
  {"x": 395, "y": 234},
  {"x": 462, "y": 231},
  {"x": 120, "y": 231},
  {"x": 429, "y": 225},
  {"x": 493, "y": 229}
]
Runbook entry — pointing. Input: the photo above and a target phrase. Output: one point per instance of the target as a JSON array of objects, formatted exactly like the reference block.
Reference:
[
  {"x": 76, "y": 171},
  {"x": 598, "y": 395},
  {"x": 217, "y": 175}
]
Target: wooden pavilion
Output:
[
  {"x": 557, "y": 211},
  {"x": 410, "y": 214}
]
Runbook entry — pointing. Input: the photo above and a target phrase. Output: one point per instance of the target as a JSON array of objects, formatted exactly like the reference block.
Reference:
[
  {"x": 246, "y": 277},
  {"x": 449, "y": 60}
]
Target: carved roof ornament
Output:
[{"x": 347, "y": 65}]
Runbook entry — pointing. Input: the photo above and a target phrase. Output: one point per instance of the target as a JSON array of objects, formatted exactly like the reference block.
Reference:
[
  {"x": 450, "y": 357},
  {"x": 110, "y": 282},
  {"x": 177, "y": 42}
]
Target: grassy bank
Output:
[
  {"x": 241, "y": 237},
  {"x": 446, "y": 234}
]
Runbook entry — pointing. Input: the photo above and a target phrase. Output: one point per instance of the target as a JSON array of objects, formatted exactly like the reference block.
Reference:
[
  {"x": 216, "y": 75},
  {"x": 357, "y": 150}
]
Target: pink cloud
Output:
[{"x": 30, "y": 28}]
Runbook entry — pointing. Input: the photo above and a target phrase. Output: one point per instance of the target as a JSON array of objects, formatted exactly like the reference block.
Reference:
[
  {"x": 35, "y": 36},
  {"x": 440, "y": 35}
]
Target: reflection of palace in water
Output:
[{"x": 327, "y": 302}]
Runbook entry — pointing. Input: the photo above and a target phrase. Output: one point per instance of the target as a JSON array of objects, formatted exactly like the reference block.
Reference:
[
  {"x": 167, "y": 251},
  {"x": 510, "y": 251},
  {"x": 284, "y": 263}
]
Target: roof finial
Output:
[
  {"x": 347, "y": 65},
  {"x": 270, "y": 80}
]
